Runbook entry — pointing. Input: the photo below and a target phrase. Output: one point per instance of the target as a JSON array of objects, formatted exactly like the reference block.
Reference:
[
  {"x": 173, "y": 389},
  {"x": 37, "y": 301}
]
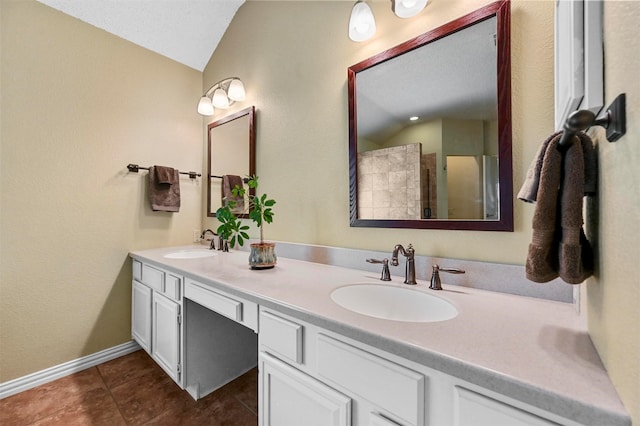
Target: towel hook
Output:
[{"x": 614, "y": 120}]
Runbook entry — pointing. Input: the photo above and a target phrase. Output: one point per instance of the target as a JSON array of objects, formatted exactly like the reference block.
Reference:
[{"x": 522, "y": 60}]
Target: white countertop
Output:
[{"x": 533, "y": 350}]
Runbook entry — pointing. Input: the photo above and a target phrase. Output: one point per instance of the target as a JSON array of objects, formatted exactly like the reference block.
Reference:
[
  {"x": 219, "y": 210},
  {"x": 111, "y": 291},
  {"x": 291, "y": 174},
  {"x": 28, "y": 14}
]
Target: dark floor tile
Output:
[
  {"x": 96, "y": 408},
  {"x": 121, "y": 370},
  {"x": 216, "y": 409},
  {"x": 138, "y": 392},
  {"x": 48, "y": 399},
  {"x": 245, "y": 389},
  {"x": 147, "y": 396}
]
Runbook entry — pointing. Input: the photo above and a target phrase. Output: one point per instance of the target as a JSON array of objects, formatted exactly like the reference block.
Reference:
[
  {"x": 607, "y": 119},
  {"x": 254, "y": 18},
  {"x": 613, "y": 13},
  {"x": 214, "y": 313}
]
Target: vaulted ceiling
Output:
[{"x": 187, "y": 31}]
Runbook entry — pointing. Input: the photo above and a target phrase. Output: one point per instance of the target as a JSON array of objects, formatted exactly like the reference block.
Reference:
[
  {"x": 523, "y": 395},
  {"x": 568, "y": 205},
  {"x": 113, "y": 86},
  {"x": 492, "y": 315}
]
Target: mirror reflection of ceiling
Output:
[
  {"x": 187, "y": 31},
  {"x": 470, "y": 93}
]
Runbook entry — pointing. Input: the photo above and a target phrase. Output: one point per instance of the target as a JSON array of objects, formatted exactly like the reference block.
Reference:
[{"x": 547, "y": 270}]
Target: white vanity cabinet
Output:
[
  {"x": 156, "y": 320},
  {"x": 141, "y": 300},
  {"x": 290, "y": 397},
  {"x": 308, "y": 373},
  {"x": 331, "y": 381}
]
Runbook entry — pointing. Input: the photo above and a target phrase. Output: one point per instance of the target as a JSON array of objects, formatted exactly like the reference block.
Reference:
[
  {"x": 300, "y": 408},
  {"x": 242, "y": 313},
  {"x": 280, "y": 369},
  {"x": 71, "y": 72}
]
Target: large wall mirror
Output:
[
  {"x": 430, "y": 129},
  {"x": 232, "y": 151}
]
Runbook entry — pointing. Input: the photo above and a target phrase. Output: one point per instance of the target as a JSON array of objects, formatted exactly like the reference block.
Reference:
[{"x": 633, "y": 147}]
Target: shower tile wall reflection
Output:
[{"x": 389, "y": 183}]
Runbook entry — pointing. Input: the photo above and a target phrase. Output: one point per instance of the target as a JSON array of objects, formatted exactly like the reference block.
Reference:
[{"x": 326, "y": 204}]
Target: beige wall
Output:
[
  {"x": 77, "y": 106},
  {"x": 293, "y": 57},
  {"x": 73, "y": 116},
  {"x": 614, "y": 293}
]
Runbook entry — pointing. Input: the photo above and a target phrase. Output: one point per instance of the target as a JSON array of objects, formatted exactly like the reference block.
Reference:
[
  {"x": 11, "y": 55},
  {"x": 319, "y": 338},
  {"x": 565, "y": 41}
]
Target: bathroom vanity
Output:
[{"x": 503, "y": 360}]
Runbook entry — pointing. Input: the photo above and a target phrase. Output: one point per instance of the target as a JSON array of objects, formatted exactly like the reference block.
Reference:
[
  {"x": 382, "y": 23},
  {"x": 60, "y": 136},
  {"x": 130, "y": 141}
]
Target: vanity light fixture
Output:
[
  {"x": 362, "y": 24},
  {"x": 414, "y": 118},
  {"x": 221, "y": 95}
]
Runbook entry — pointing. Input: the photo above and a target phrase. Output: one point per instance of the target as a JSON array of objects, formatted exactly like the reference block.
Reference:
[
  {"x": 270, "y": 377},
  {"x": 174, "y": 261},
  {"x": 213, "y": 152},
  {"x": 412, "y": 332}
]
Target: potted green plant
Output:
[{"x": 231, "y": 229}]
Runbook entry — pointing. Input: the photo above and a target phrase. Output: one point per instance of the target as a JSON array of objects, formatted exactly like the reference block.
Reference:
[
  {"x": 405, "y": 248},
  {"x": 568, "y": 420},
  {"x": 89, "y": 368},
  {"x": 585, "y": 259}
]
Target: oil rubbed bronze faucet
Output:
[
  {"x": 213, "y": 240},
  {"x": 410, "y": 268}
]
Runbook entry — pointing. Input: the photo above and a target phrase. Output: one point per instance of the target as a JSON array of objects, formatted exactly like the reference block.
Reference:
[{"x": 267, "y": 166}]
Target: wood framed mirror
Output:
[
  {"x": 231, "y": 151},
  {"x": 450, "y": 167}
]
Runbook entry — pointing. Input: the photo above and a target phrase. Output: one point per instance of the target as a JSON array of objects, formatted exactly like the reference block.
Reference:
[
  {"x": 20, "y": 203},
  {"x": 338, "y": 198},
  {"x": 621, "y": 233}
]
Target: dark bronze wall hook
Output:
[{"x": 614, "y": 120}]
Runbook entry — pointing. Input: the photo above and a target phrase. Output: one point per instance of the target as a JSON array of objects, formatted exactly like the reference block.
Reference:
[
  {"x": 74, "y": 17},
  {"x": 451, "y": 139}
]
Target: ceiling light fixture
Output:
[
  {"x": 362, "y": 24},
  {"x": 221, "y": 95}
]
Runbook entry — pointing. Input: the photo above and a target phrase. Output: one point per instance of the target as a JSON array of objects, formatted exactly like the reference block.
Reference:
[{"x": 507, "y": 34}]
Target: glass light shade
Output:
[
  {"x": 236, "y": 90},
  {"x": 205, "y": 107},
  {"x": 362, "y": 25},
  {"x": 408, "y": 8},
  {"x": 220, "y": 99}
]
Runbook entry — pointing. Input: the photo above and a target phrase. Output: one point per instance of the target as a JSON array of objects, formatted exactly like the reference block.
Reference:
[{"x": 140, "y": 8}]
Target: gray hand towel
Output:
[
  {"x": 529, "y": 190},
  {"x": 559, "y": 246},
  {"x": 164, "y": 196},
  {"x": 229, "y": 182},
  {"x": 542, "y": 259},
  {"x": 165, "y": 174},
  {"x": 575, "y": 257}
]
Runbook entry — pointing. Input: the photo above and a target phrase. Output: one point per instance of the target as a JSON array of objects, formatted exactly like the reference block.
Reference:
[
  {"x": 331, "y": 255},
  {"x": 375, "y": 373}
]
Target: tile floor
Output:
[{"x": 131, "y": 390}]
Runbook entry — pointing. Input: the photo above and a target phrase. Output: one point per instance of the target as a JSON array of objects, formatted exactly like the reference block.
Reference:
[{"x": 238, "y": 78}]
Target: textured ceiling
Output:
[{"x": 187, "y": 31}]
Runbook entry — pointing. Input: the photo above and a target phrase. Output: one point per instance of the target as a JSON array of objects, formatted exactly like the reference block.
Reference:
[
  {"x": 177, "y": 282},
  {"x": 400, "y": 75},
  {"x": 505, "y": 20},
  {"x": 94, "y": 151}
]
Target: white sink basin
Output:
[
  {"x": 191, "y": 254},
  {"x": 393, "y": 303}
]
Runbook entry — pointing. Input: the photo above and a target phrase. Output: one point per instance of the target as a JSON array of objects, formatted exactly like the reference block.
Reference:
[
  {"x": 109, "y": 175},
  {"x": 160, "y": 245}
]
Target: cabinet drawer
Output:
[
  {"x": 281, "y": 336},
  {"x": 398, "y": 390},
  {"x": 137, "y": 270},
  {"x": 475, "y": 409},
  {"x": 172, "y": 287},
  {"x": 153, "y": 277},
  {"x": 219, "y": 303}
]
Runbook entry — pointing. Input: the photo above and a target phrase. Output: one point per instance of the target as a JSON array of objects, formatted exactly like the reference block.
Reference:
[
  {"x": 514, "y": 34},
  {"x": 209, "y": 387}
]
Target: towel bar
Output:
[
  {"x": 614, "y": 120},
  {"x": 134, "y": 168},
  {"x": 245, "y": 180}
]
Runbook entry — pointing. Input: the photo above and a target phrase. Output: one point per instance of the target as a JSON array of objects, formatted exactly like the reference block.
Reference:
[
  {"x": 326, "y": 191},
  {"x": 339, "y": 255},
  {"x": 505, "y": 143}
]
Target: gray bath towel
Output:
[{"x": 164, "y": 189}]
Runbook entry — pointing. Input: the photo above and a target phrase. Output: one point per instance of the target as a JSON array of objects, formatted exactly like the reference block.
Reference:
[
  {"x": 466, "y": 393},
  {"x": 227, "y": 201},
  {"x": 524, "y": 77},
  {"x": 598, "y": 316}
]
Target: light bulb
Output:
[
  {"x": 220, "y": 99},
  {"x": 408, "y": 8},
  {"x": 205, "y": 107},
  {"x": 236, "y": 90},
  {"x": 362, "y": 25}
]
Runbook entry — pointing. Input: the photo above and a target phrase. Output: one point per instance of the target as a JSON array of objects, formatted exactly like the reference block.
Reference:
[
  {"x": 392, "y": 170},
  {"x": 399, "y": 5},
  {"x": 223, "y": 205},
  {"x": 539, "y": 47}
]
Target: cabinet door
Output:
[
  {"x": 141, "y": 315},
  {"x": 378, "y": 420},
  {"x": 166, "y": 335},
  {"x": 289, "y": 397}
]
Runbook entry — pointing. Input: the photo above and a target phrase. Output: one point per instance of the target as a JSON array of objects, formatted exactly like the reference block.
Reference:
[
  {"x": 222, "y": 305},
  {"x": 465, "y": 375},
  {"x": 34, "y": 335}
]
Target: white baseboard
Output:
[{"x": 20, "y": 384}]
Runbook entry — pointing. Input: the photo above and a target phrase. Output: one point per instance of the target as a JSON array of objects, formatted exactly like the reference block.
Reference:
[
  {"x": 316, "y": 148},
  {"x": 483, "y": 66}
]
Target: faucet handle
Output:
[
  {"x": 435, "y": 276},
  {"x": 451, "y": 270},
  {"x": 386, "y": 274}
]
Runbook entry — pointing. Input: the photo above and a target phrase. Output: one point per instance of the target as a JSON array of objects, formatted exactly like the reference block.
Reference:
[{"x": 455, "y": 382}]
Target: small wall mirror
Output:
[
  {"x": 430, "y": 129},
  {"x": 232, "y": 151}
]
